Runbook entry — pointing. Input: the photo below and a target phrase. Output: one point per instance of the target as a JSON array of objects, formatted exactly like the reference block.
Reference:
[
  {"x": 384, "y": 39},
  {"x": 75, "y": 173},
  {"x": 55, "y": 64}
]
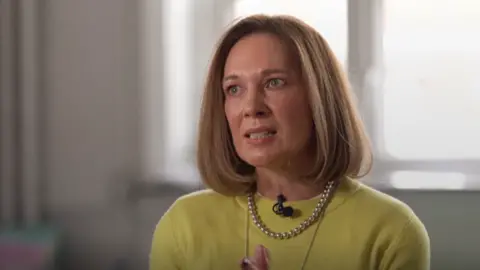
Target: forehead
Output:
[{"x": 257, "y": 52}]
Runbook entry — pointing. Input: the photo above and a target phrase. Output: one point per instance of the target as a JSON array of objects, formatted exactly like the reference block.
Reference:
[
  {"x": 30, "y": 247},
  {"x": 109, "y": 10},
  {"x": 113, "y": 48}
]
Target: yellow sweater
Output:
[{"x": 362, "y": 229}]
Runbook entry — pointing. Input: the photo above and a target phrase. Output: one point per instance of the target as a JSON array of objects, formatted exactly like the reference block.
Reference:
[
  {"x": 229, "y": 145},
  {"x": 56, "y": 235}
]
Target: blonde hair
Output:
[{"x": 342, "y": 147}]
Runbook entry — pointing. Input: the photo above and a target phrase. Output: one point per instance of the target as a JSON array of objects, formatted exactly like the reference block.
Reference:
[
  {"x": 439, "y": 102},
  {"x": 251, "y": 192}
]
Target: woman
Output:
[{"x": 280, "y": 147}]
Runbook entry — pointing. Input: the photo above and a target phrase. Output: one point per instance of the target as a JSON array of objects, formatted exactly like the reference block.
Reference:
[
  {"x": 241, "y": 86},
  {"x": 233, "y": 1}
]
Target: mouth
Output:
[{"x": 256, "y": 135}]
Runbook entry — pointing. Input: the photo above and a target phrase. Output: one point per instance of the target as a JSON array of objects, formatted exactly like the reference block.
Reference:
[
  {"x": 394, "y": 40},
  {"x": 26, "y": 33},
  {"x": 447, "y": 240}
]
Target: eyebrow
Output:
[{"x": 264, "y": 72}]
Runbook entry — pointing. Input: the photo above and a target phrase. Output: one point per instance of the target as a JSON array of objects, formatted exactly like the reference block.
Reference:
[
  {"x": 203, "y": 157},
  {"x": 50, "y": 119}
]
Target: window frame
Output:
[{"x": 158, "y": 147}]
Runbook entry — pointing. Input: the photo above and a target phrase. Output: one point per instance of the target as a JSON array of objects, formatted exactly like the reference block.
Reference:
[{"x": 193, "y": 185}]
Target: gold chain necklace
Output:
[{"x": 319, "y": 210}]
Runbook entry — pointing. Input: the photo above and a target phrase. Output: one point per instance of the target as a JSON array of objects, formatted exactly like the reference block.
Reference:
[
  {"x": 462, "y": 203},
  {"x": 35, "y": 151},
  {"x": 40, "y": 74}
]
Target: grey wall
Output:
[
  {"x": 92, "y": 131},
  {"x": 93, "y": 146},
  {"x": 452, "y": 219}
]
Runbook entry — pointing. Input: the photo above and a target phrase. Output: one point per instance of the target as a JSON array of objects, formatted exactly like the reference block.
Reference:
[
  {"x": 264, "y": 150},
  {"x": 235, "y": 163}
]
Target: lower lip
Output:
[{"x": 258, "y": 141}]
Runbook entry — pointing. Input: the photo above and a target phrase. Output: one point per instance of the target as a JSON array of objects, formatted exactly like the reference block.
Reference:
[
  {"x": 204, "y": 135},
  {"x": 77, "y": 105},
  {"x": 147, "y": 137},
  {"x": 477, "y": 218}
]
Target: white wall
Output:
[{"x": 94, "y": 146}]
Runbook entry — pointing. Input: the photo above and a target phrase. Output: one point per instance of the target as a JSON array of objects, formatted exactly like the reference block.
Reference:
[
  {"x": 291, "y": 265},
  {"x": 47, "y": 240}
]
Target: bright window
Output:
[
  {"x": 428, "y": 180},
  {"x": 431, "y": 101},
  {"x": 421, "y": 113},
  {"x": 328, "y": 17}
]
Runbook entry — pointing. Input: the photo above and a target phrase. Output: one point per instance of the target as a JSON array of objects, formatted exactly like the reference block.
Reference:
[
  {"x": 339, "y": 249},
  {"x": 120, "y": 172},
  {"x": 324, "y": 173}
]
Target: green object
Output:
[
  {"x": 38, "y": 234},
  {"x": 29, "y": 246}
]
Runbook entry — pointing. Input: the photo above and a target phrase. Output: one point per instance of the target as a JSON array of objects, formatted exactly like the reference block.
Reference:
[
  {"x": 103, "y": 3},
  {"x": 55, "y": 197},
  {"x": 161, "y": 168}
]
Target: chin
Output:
[{"x": 259, "y": 161}]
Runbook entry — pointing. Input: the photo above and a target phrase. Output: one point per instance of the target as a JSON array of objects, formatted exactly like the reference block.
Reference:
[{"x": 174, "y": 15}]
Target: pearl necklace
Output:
[{"x": 317, "y": 212}]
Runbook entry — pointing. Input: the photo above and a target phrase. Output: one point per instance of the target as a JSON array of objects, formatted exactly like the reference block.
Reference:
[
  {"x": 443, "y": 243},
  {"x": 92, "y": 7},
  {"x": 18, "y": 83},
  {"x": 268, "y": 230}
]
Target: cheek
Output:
[
  {"x": 297, "y": 117},
  {"x": 299, "y": 123},
  {"x": 234, "y": 123},
  {"x": 232, "y": 117}
]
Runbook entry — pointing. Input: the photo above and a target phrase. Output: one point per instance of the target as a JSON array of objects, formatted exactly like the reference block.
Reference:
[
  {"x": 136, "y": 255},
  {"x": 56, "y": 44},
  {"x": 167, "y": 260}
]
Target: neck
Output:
[{"x": 272, "y": 183}]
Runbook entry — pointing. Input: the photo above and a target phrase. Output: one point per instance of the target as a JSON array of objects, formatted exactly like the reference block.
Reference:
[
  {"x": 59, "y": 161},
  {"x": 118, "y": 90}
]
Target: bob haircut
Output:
[{"x": 342, "y": 147}]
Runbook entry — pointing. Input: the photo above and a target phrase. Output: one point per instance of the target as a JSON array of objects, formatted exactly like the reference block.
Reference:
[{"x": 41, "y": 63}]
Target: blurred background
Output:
[{"x": 99, "y": 102}]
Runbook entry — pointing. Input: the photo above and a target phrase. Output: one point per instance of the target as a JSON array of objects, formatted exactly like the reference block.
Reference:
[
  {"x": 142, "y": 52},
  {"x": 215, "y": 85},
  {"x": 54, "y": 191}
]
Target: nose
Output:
[{"x": 254, "y": 105}]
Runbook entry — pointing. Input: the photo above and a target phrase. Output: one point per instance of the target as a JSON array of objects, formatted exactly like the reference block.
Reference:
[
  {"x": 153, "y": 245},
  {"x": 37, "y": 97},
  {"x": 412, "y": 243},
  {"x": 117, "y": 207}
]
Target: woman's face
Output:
[{"x": 266, "y": 104}]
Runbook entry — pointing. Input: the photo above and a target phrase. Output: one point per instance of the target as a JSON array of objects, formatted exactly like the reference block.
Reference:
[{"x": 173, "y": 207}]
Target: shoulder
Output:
[
  {"x": 384, "y": 215},
  {"x": 394, "y": 214},
  {"x": 198, "y": 200},
  {"x": 400, "y": 233},
  {"x": 201, "y": 196},
  {"x": 376, "y": 203},
  {"x": 200, "y": 206},
  {"x": 187, "y": 221}
]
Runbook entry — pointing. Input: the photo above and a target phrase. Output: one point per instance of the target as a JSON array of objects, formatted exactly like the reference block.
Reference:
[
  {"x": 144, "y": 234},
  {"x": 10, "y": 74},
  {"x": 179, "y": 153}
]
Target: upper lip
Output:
[{"x": 258, "y": 130}]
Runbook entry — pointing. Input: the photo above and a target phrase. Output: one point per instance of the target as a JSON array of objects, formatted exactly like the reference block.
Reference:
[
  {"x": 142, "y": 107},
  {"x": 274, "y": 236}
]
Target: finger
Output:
[{"x": 261, "y": 257}]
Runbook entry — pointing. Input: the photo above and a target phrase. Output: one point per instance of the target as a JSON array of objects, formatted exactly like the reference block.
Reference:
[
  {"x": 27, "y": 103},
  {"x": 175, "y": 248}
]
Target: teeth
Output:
[{"x": 260, "y": 135}]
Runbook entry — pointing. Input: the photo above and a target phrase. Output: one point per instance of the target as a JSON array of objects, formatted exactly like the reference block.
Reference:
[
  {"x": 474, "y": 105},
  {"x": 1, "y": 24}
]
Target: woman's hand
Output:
[{"x": 258, "y": 262}]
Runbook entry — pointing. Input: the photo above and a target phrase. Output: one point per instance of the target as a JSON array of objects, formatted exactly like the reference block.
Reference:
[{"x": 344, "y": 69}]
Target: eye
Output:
[
  {"x": 232, "y": 90},
  {"x": 275, "y": 83}
]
